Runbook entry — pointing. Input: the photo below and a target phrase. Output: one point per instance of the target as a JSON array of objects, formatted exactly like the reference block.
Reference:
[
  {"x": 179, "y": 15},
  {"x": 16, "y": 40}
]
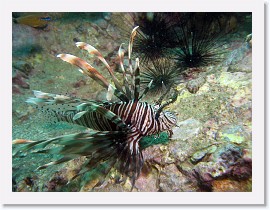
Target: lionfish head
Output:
[{"x": 168, "y": 119}]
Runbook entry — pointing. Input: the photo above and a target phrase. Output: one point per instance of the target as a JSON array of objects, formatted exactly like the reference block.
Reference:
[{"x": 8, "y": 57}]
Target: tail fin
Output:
[{"x": 112, "y": 148}]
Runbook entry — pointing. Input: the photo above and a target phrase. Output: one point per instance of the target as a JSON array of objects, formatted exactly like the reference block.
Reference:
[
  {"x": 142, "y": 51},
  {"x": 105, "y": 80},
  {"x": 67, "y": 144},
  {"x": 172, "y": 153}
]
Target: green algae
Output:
[
  {"x": 148, "y": 141},
  {"x": 234, "y": 80},
  {"x": 232, "y": 138}
]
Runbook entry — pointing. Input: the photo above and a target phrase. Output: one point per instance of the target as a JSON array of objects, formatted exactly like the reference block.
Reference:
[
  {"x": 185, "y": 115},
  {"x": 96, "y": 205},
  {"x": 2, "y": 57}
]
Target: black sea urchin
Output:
[
  {"x": 163, "y": 74},
  {"x": 199, "y": 40},
  {"x": 155, "y": 33}
]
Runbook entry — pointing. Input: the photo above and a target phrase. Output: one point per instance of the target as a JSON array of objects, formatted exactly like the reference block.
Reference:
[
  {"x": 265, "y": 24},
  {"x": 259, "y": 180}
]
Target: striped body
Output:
[
  {"x": 119, "y": 125},
  {"x": 137, "y": 115},
  {"x": 141, "y": 115}
]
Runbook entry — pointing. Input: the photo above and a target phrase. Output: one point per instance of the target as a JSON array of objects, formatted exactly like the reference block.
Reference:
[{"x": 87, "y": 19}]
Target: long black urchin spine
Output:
[{"x": 199, "y": 40}]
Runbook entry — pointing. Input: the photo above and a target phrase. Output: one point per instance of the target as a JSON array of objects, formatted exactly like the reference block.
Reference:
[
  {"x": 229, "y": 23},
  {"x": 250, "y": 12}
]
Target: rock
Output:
[
  {"x": 237, "y": 68},
  {"x": 228, "y": 154},
  {"x": 81, "y": 29},
  {"x": 112, "y": 32},
  {"x": 204, "y": 181},
  {"x": 24, "y": 40},
  {"x": 244, "y": 65},
  {"x": 22, "y": 66},
  {"x": 183, "y": 139},
  {"x": 153, "y": 154},
  {"x": 102, "y": 23},
  {"x": 234, "y": 133},
  {"x": 172, "y": 180},
  {"x": 16, "y": 89},
  {"x": 234, "y": 80},
  {"x": 214, "y": 169},
  {"x": 227, "y": 161},
  {"x": 194, "y": 85},
  {"x": 242, "y": 98},
  {"x": 228, "y": 185},
  {"x": 19, "y": 81},
  {"x": 240, "y": 59},
  {"x": 57, "y": 181},
  {"x": 238, "y": 54},
  {"x": 242, "y": 170},
  {"x": 148, "y": 182},
  {"x": 199, "y": 155},
  {"x": 157, "y": 154},
  {"x": 186, "y": 129}
]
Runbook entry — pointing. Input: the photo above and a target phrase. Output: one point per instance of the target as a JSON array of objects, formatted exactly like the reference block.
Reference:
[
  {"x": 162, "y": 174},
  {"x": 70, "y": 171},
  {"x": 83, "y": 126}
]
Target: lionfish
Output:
[{"x": 119, "y": 126}]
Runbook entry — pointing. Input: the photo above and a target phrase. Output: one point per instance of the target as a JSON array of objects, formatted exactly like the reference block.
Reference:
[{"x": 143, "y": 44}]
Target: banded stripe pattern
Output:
[
  {"x": 140, "y": 115},
  {"x": 119, "y": 126}
]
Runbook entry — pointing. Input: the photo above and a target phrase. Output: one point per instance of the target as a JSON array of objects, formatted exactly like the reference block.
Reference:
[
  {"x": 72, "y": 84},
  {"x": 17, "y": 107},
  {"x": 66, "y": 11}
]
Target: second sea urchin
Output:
[
  {"x": 199, "y": 40},
  {"x": 163, "y": 75}
]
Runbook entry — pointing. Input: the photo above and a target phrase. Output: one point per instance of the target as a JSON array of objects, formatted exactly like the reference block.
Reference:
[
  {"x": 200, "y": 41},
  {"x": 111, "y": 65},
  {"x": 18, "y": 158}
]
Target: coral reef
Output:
[{"x": 210, "y": 150}]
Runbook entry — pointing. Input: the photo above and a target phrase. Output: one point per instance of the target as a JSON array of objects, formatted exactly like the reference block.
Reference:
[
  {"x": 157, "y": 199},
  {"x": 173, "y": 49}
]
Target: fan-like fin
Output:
[
  {"x": 93, "y": 73},
  {"x": 62, "y": 160},
  {"x": 159, "y": 101},
  {"x": 137, "y": 81},
  {"x": 118, "y": 148},
  {"x": 86, "y": 68},
  {"x": 91, "y": 50},
  {"x": 131, "y": 157},
  {"x": 126, "y": 82},
  {"x": 42, "y": 98},
  {"x": 130, "y": 45},
  {"x": 146, "y": 89},
  {"x": 100, "y": 172}
]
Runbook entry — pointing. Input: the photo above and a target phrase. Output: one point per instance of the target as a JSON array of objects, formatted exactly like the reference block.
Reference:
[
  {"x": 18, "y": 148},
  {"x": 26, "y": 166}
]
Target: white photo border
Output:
[{"x": 257, "y": 196}]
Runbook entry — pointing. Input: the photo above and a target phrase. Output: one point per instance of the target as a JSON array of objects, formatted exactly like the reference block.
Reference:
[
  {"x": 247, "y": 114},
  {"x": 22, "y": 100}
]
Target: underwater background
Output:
[{"x": 210, "y": 149}]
